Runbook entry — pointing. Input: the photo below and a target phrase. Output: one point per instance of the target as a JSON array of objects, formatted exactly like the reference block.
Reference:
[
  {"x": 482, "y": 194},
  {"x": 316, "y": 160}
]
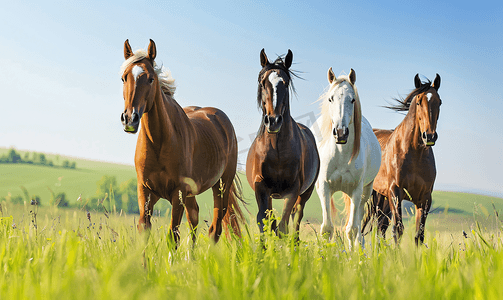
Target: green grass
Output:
[
  {"x": 39, "y": 179},
  {"x": 60, "y": 254},
  {"x": 67, "y": 257}
]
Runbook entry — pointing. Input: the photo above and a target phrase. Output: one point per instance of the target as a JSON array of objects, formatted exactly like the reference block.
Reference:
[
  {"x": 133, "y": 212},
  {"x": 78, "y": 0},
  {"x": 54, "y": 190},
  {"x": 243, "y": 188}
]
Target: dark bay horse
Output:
[
  {"x": 181, "y": 152},
  {"x": 283, "y": 161},
  {"x": 407, "y": 166}
]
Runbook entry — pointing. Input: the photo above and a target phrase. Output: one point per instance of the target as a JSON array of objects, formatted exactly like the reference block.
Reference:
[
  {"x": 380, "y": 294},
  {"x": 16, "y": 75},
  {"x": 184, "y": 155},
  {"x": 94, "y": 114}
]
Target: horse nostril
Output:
[
  {"x": 122, "y": 117},
  {"x": 334, "y": 132},
  {"x": 266, "y": 120},
  {"x": 424, "y": 135},
  {"x": 435, "y": 137},
  {"x": 346, "y": 131},
  {"x": 135, "y": 117},
  {"x": 279, "y": 119}
]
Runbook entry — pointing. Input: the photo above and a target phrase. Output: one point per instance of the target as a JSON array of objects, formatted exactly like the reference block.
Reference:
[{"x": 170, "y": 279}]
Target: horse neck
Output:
[
  {"x": 166, "y": 120},
  {"x": 288, "y": 123},
  {"x": 409, "y": 130}
]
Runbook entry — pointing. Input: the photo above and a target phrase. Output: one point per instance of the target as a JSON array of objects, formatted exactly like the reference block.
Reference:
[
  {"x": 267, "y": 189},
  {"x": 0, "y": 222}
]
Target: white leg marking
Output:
[{"x": 192, "y": 185}]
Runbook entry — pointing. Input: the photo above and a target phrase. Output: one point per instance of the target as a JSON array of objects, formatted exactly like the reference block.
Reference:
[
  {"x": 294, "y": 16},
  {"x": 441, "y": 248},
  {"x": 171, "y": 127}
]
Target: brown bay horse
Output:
[
  {"x": 407, "y": 166},
  {"x": 180, "y": 152},
  {"x": 283, "y": 161}
]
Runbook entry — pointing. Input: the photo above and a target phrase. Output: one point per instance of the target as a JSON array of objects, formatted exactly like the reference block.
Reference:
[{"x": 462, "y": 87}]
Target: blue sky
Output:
[{"x": 61, "y": 92}]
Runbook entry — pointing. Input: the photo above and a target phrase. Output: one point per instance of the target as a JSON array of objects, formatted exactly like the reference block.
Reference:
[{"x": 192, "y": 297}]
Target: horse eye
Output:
[{"x": 150, "y": 80}]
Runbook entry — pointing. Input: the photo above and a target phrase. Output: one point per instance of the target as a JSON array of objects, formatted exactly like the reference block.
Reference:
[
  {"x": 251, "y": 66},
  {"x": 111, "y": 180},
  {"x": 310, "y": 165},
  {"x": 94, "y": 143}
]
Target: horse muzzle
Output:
[
  {"x": 341, "y": 135},
  {"x": 130, "y": 124},
  {"x": 273, "y": 124},
  {"x": 429, "y": 139}
]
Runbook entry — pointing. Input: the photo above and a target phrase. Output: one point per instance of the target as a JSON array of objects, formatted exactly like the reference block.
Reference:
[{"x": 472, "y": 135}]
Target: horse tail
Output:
[
  {"x": 376, "y": 209},
  {"x": 234, "y": 214},
  {"x": 347, "y": 207},
  {"x": 370, "y": 211}
]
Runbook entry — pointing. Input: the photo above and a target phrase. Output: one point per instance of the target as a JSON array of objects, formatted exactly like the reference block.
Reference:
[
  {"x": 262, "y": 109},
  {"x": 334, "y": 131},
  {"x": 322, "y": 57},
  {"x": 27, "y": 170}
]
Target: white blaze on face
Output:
[
  {"x": 274, "y": 79},
  {"x": 137, "y": 71},
  {"x": 429, "y": 96},
  {"x": 341, "y": 108}
]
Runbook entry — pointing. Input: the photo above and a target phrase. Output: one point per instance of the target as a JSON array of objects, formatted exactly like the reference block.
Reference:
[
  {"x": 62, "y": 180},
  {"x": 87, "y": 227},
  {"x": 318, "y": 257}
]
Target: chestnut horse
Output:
[
  {"x": 408, "y": 165},
  {"x": 283, "y": 162},
  {"x": 180, "y": 153}
]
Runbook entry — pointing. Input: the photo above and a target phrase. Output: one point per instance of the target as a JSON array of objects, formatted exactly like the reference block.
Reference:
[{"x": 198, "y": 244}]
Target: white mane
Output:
[{"x": 166, "y": 81}]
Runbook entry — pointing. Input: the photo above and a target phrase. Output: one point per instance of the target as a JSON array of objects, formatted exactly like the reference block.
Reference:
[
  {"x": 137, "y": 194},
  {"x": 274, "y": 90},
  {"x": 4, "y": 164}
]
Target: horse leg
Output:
[
  {"x": 325, "y": 194},
  {"x": 395, "y": 203},
  {"x": 299, "y": 209},
  {"x": 353, "y": 225},
  {"x": 421, "y": 215},
  {"x": 221, "y": 192},
  {"x": 290, "y": 201},
  {"x": 146, "y": 201},
  {"x": 192, "y": 213},
  {"x": 176, "y": 217},
  {"x": 264, "y": 205}
]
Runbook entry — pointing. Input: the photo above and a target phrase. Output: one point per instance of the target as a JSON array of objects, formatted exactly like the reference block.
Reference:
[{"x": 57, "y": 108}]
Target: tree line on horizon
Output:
[
  {"x": 109, "y": 197},
  {"x": 13, "y": 157}
]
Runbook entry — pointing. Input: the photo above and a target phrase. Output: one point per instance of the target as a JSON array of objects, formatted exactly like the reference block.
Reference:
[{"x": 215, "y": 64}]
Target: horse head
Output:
[
  {"x": 427, "y": 104},
  {"x": 140, "y": 83},
  {"x": 343, "y": 104},
  {"x": 273, "y": 94}
]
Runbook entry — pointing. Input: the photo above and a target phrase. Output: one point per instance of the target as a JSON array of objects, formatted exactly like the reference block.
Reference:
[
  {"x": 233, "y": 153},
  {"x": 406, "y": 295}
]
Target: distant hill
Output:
[{"x": 37, "y": 179}]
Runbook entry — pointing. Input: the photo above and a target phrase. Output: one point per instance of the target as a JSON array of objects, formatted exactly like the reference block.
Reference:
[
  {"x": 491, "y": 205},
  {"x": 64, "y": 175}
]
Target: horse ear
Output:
[
  {"x": 352, "y": 76},
  {"x": 331, "y": 76},
  {"x": 417, "y": 81},
  {"x": 152, "y": 51},
  {"x": 436, "y": 82},
  {"x": 264, "y": 61},
  {"x": 288, "y": 59},
  {"x": 127, "y": 50}
]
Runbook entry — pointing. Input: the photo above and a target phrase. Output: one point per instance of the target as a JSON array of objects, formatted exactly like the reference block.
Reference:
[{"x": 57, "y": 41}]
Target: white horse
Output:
[{"x": 350, "y": 154}]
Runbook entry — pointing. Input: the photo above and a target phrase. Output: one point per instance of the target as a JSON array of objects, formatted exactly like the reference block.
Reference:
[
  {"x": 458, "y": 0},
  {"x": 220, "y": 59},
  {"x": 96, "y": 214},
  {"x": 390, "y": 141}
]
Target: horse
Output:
[
  {"x": 349, "y": 152},
  {"x": 408, "y": 165},
  {"x": 180, "y": 153},
  {"x": 283, "y": 161}
]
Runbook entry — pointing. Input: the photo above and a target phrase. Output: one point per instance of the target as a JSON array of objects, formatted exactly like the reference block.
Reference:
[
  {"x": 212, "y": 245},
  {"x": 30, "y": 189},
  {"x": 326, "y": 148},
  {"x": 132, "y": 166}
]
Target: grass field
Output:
[
  {"x": 38, "y": 179},
  {"x": 61, "y": 254},
  {"x": 52, "y": 253}
]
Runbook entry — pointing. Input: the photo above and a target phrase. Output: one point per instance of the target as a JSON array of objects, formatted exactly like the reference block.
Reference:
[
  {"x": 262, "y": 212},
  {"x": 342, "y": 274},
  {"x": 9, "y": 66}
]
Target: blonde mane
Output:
[
  {"x": 326, "y": 123},
  {"x": 166, "y": 81}
]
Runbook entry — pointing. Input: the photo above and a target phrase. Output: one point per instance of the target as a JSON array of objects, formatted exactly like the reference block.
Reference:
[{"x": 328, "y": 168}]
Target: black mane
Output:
[{"x": 404, "y": 104}]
